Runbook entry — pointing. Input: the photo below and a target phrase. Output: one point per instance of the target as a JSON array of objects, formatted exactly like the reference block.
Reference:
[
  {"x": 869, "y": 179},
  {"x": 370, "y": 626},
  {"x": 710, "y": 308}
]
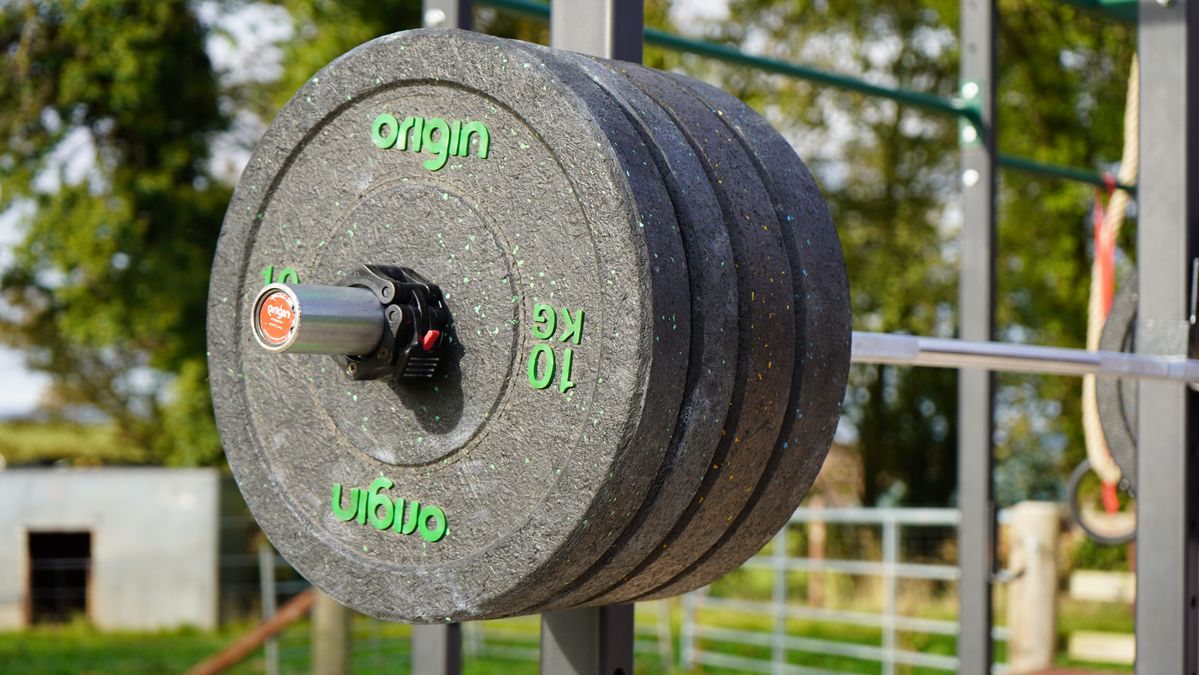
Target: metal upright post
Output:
[
  {"x": 269, "y": 599},
  {"x": 890, "y": 591},
  {"x": 609, "y": 28},
  {"x": 593, "y": 641},
  {"x": 437, "y": 648},
  {"x": 448, "y": 14},
  {"x": 1168, "y": 417},
  {"x": 976, "y": 305},
  {"x": 331, "y": 641}
]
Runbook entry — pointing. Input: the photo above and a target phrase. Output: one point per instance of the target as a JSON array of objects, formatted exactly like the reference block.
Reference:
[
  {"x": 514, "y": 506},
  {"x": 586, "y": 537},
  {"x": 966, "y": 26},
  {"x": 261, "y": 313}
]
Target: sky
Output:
[{"x": 243, "y": 49}]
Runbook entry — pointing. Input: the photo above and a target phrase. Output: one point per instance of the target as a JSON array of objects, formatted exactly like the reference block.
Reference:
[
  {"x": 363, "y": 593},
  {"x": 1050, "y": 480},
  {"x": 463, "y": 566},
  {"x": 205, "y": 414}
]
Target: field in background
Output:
[{"x": 508, "y": 646}]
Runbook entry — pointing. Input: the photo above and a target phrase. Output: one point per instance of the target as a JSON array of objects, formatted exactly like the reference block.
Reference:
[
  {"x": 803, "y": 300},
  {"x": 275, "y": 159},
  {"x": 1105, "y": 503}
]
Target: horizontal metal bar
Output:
[
  {"x": 1120, "y": 10},
  {"x": 1063, "y": 172},
  {"x": 748, "y": 665},
  {"x": 950, "y": 353},
  {"x": 871, "y": 516},
  {"x": 818, "y": 646},
  {"x": 908, "y": 624},
  {"x": 861, "y": 567},
  {"x": 729, "y": 54}
]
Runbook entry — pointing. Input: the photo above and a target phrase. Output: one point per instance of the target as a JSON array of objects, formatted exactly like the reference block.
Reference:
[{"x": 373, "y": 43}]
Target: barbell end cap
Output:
[{"x": 275, "y": 321}]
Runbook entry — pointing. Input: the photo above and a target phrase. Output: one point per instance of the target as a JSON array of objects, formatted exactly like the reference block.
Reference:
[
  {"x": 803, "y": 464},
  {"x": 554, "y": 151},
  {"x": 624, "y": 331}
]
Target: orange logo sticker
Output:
[{"x": 276, "y": 318}]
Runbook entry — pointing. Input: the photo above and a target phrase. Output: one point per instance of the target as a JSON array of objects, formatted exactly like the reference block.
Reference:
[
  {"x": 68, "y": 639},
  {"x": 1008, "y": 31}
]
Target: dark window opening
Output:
[{"x": 59, "y": 563}]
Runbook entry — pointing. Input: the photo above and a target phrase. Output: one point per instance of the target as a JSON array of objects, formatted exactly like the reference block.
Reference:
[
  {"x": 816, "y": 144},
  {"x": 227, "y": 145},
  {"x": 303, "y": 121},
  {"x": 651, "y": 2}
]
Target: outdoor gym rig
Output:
[{"x": 588, "y": 326}]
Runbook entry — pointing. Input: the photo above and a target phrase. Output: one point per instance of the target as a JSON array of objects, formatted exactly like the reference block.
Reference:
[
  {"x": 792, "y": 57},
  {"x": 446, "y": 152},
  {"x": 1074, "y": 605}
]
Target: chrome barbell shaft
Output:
[{"x": 913, "y": 350}]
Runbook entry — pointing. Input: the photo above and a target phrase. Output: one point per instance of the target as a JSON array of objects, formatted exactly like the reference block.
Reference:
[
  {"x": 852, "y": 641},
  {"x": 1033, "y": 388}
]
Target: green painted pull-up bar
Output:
[
  {"x": 917, "y": 99},
  {"x": 1120, "y": 10}
]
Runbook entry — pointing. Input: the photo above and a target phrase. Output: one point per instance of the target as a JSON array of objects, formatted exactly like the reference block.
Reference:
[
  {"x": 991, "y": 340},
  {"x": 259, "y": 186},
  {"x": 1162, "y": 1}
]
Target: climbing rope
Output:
[{"x": 1108, "y": 222}]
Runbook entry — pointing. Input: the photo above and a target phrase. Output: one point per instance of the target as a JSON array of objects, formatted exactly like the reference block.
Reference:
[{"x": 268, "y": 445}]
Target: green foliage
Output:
[
  {"x": 890, "y": 176},
  {"x": 109, "y": 283},
  {"x": 80, "y": 445},
  {"x": 324, "y": 30}
]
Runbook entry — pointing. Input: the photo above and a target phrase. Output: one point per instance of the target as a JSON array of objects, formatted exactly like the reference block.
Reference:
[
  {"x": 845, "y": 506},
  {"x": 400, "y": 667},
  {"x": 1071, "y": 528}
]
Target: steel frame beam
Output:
[
  {"x": 912, "y": 350},
  {"x": 611, "y": 29},
  {"x": 437, "y": 648},
  {"x": 593, "y": 640},
  {"x": 976, "y": 311},
  {"x": 448, "y": 14},
  {"x": 1168, "y": 414}
]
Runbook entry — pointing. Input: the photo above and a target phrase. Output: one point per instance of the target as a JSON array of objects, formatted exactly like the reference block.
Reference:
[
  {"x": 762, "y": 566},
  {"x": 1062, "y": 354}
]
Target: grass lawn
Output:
[{"x": 507, "y": 646}]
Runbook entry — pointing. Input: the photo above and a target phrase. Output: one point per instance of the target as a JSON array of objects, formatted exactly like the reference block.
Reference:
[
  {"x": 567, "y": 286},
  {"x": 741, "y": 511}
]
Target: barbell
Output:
[
  {"x": 496, "y": 329},
  {"x": 557, "y": 331}
]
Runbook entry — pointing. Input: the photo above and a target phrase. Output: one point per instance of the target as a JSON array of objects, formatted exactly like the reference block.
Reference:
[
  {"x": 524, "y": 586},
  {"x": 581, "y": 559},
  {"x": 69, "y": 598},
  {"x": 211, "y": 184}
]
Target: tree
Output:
[
  {"x": 108, "y": 287},
  {"x": 890, "y": 176}
]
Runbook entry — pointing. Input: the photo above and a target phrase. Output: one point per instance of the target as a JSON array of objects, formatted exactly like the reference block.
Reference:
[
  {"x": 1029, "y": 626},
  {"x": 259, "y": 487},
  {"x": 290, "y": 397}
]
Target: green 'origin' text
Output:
[
  {"x": 372, "y": 505},
  {"x": 443, "y": 139}
]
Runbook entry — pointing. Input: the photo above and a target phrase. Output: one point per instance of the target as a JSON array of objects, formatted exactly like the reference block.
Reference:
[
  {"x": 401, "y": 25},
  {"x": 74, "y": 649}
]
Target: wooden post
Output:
[
  {"x": 817, "y": 535},
  {"x": 330, "y": 636},
  {"x": 1032, "y": 595}
]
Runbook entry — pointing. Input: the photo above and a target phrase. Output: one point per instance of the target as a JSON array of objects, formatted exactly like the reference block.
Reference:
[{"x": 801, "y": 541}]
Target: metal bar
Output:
[
  {"x": 665, "y": 635},
  {"x": 864, "y": 567},
  {"x": 778, "y": 603},
  {"x": 747, "y": 665},
  {"x": 866, "y": 515},
  {"x": 729, "y": 54},
  {"x": 448, "y": 14},
  {"x": 890, "y": 593},
  {"x": 1055, "y": 171},
  {"x": 687, "y": 632},
  {"x": 1120, "y": 10},
  {"x": 588, "y": 641},
  {"x": 976, "y": 310},
  {"x": 269, "y": 600},
  {"x": 593, "y": 640},
  {"x": 1167, "y": 242},
  {"x": 948, "y": 353},
  {"x": 437, "y": 649},
  {"x": 906, "y": 624},
  {"x": 847, "y": 649},
  {"x": 607, "y": 28}
]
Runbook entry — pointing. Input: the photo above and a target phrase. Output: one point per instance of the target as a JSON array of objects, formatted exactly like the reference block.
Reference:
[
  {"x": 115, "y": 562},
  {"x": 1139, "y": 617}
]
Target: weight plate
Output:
[
  {"x": 823, "y": 335},
  {"x": 713, "y": 349},
  {"x": 1117, "y": 397},
  {"x": 539, "y": 219},
  {"x": 766, "y": 340},
  {"x": 637, "y": 152}
]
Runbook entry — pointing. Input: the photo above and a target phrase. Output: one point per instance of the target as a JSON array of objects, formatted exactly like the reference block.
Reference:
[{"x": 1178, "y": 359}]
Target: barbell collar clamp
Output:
[{"x": 385, "y": 320}]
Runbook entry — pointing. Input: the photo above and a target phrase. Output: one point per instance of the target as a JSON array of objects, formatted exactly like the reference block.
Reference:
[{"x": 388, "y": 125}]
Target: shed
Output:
[{"x": 129, "y": 548}]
